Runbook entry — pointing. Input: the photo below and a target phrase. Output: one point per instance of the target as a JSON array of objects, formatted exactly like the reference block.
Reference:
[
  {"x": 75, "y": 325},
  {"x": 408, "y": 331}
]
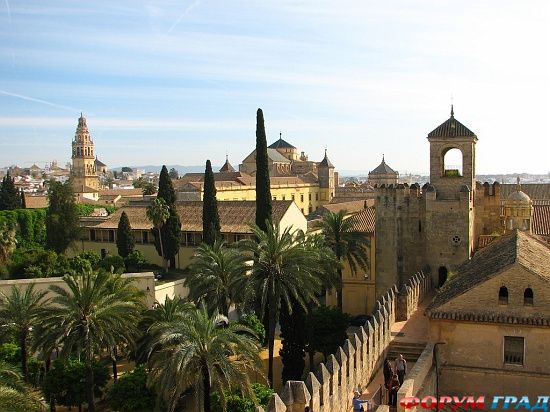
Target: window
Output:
[
  {"x": 92, "y": 235},
  {"x": 526, "y": 224},
  {"x": 316, "y": 196},
  {"x": 302, "y": 198},
  {"x": 284, "y": 197},
  {"x": 292, "y": 196},
  {"x": 309, "y": 196},
  {"x": 111, "y": 235},
  {"x": 145, "y": 237},
  {"x": 503, "y": 296},
  {"x": 528, "y": 297},
  {"x": 274, "y": 197},
  {"x": 513, "y": 350}
]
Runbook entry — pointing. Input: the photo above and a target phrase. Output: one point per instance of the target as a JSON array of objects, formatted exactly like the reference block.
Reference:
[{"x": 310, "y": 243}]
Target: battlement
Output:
[
  {"x": 355, "y": 363},
  {"x": 399, "y": 190},
  {"x": 487, "y": 189}
]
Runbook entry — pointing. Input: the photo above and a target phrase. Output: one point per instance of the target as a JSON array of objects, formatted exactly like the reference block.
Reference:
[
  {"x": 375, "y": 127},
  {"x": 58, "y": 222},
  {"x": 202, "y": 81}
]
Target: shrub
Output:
[
  {"x": 10, "y": 353},
  {"x": 112, "y": 261},
  {"x": 135, "y": 261},
  {"x": 130, "y": 393},
  {"x": 237, "y": 402},
  {"x": 252, "y": 322}
]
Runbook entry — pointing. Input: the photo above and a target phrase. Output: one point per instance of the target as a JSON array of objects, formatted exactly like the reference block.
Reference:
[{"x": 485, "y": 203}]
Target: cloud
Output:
[{"x": 35, "y": 100}]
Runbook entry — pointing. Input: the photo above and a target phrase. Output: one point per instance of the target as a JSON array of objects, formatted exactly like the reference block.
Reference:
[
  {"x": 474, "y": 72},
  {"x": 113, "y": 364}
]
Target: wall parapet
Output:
[
  {"x": 417, "y": 377},
  {"x": 330, "y": 388},
  {"x": 412, "y": 294}
]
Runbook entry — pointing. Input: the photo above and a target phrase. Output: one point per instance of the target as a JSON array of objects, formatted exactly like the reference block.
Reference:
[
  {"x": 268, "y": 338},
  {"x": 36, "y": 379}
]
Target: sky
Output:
[{"x": 177, "y": 82}]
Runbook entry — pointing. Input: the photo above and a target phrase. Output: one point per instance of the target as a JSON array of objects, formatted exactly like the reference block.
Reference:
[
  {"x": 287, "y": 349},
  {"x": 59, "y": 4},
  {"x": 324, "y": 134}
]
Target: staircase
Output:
[{"x": 411, "y": 351}]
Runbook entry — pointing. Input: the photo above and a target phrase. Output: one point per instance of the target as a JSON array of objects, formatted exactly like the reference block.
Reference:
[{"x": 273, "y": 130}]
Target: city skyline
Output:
[{"x": 179, "y": 82}]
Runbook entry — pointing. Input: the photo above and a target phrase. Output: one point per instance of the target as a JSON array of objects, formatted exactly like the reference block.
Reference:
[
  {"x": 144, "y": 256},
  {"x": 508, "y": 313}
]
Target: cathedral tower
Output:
[
  {"x": 327, "y": 183},
  {"x": 83, "y": 171}
]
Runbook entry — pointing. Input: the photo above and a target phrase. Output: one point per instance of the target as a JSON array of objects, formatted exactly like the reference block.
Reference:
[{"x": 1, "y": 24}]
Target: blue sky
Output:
[{"x": 180, "y": 81}]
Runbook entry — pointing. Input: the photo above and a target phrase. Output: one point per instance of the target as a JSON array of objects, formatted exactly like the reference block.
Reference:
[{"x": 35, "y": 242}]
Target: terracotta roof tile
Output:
[
  {"x": 451, "y": 128},
  {"x": 536, "y": 191},
  {"x": 235, "y": 216},
  {"x": 541, "y": 220},
  {"x": 521, "y": 247},
  {"x": 35, "y": 202},
  {"x": 364, "y": 221}
]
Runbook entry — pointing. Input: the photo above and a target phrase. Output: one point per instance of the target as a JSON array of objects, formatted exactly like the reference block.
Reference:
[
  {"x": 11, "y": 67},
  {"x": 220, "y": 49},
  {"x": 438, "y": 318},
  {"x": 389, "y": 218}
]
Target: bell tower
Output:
[
  {"x": 452, "y": 136},
  {"x": 83, "y": 171}
]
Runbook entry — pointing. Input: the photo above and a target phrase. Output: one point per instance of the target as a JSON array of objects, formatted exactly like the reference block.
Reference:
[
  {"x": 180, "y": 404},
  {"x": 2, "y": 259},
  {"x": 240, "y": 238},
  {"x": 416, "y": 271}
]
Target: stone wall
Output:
[
  {"x": 171, "y": 290},
  {"x": 411, "y": 294},
  {"x": 420, "y": 379},
  {"x": 353, "y": 365}
]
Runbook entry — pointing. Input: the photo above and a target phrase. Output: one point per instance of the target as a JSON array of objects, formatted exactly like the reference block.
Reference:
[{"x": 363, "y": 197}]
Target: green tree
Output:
[
  {"x": 252, "y": 322},
  {"x": 326, "y": 331},
  {"x": 21, "y": 308},
  {"x": 131, "y": 394},
  {"x": 173, "y": 173},
  {"x": 263, "y": 187},
  {"x": 293, "y": 336},
  {"x": 135, "y": 261},
  {"x": 236, "y": 401},
  {"x": 14, "y": 394},
  {"x": 8, "y": 242},
  {"x": 66, "y": 381},
  {"x": 210, "y": 217},
  {"x": 126, "y": 169},
  {"x": 10, "y": 197},
  {"x": 283, "y": 271},
  {"x": 166, "y": 189},
  {"x": 125, "y": 240},
  {"x": 200, "y": 351},
  {"x": 347, "y": 244},
  {"x": 172, "y": 310},
  {"x": 62, "y": 224},
  {"x": 158, "y": 213},
  {"x": 171, "y": 236},
  {"x": 147, "y": 187},
  {"x": 217, "y": 276},
  {"x": 97, "y": 310}
]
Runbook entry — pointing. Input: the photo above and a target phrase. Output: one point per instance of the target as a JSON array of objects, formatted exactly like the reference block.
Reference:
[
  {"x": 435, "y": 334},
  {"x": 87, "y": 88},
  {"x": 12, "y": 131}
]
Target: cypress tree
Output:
[
  {"x": 263, "y": 188},
  {"x": 62, "y": 224},
  {"x": 125, "y": 240},
  {"x": 166, "y": 189},
  {"x": 10, "y": 197},
  {"x": 171, "y": 230},
  {"x": 210, "y": 217},
  {"x": 171, "y": 235},
  {"x": 293, "y": 335}
]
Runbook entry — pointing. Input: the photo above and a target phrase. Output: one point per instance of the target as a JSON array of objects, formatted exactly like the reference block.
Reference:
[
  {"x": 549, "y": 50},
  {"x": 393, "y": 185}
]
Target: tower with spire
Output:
[
  {"x": 327, "y": 182},
  {"x": 83, "y": 170}
]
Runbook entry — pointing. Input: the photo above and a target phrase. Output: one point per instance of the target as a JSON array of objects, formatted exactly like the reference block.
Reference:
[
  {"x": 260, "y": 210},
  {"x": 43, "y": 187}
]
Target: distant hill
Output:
[{"x": 181, "y": 169}]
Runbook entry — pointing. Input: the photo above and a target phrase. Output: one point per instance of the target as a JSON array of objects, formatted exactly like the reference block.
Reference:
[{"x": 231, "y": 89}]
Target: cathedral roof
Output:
[
  {"x": 281, "y": 144},
  {"x": 383, "y": 169},
  {"x": 325, "y": 162},
  {"x": 227, "y": 166},
  {"x": 451, "y": 128},
  {"x": 99, "y": 162},
  {"x": 519, "y": 247}
]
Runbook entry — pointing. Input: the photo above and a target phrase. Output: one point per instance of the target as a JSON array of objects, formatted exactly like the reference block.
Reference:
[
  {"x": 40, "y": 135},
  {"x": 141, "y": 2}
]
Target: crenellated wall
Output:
[
  {"x": 411, "y": 294},
  {"x": 354, "y": 364}
]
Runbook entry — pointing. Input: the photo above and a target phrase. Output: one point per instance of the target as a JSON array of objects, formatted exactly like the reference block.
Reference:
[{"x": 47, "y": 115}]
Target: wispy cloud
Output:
[
  {"x": 187, "y": 10},
  {"x": 40, "y": 101}
]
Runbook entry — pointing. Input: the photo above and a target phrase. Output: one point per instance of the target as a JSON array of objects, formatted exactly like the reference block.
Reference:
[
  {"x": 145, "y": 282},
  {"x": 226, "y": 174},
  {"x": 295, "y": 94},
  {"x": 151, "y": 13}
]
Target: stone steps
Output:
[{"x": 411, "y": 351}]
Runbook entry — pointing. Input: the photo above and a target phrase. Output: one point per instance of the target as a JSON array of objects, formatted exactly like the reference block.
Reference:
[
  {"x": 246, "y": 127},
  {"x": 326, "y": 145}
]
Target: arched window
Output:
[
  {"x": 528, "y": 297},
  {"x": 452, "y": 163},
  {"x": 503, "y": 295}
]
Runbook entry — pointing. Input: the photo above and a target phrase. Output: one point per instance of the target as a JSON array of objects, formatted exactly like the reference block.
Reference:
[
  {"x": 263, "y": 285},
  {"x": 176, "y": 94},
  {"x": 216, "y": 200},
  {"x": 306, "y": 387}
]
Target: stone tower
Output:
[
  {"x": 325, "y": 170},
  {"x": 449, "y": 215},
  {"x": 83, "y": 170}
]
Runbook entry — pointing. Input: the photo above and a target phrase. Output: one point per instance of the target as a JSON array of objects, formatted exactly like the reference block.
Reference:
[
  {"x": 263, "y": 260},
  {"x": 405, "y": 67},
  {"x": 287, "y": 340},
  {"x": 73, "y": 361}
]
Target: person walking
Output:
[
  {"x": 393, "y": 388},
  {"x": 358, "y": 402},
  {"x": 401, "y": 368}
]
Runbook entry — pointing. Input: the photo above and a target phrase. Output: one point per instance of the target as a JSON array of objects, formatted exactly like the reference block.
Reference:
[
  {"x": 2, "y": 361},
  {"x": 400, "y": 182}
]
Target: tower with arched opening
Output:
[{"x": 83, "y": 171}]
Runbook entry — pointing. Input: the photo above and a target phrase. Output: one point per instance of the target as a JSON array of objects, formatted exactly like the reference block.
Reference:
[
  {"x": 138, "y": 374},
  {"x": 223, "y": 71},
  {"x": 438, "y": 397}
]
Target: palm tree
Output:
[
  {"x": 172, "y": 310},
  {"x": 14, "y": 395},
  {"x": 94, "y": 311},
  {"x": 8, "y": 242},
  {"x": 217, "y": 276},
  {"x": 20, "y": 310},
  {"x": 283, "y": 271},
  {"x": 348, "y": 245},
  {"x": 158, "y": 213},
  {"x": 201, "y": 351}
]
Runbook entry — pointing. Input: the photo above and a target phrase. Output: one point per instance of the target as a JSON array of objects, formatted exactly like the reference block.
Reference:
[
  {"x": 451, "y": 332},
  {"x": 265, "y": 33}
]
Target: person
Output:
[
  {"x": 388, "y": 371},
  {"x": 393, "y": 388},
  {"x": 401, "y": 367},
  {"x": 358, "y": 402}
]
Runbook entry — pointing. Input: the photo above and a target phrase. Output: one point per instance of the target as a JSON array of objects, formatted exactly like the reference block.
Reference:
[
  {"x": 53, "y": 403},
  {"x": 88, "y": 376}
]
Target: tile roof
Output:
[
  {"x": 383, "y": 168},
  {"x": 281, "y": 144},
  {"x": 352, "y": 206},
  {"x": 235, "y": 216},
  {"x": 325, "y": 162},
  {"x": 35, "y": 202},
  {"x": 364, "y": 221},
  {"x": 275, "y": 156},
  {"x": 521, "y": 247},
  {"x": 136, "y": 192},
  {"x": 227, "y": 167},
  {"x": 451, "y": 128},
  {"x": 536, "y": 191},
  {"x": 541, "y": 219}
]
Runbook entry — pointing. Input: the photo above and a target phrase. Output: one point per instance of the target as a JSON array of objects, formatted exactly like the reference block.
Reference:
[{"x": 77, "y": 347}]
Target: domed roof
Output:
[
  {"x": 383, "y": 169},
  {"x": 518, "y": 197}
]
